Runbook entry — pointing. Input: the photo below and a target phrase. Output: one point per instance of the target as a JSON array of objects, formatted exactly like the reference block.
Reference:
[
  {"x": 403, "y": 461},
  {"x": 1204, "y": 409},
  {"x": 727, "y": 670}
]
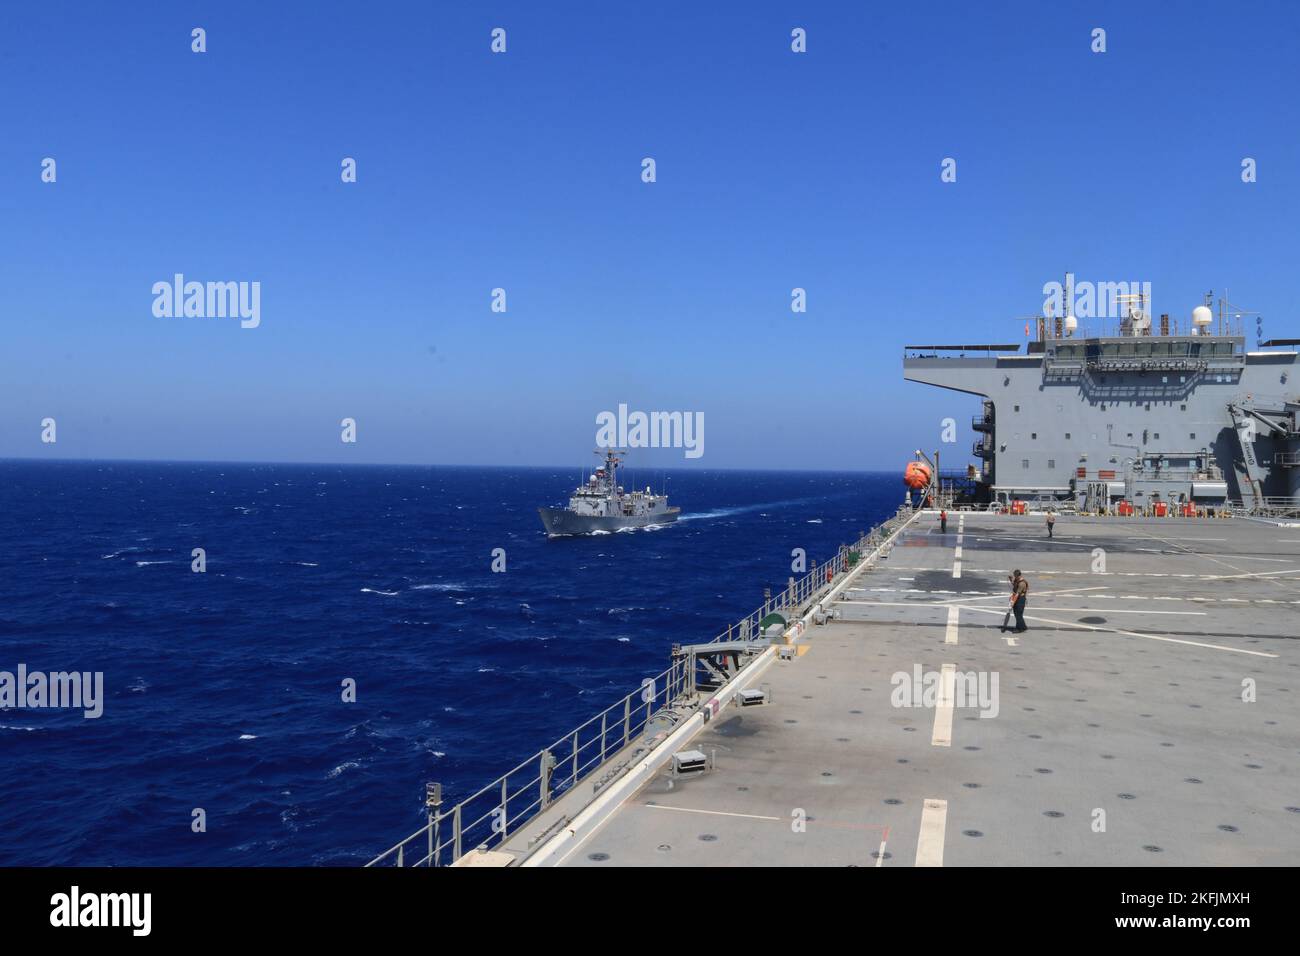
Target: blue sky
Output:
[{"x": 522, "y": 171}]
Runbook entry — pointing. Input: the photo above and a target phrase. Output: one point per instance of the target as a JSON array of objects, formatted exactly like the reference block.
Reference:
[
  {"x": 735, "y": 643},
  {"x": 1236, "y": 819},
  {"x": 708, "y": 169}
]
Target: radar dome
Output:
[{"x": 1202, "y": 316}]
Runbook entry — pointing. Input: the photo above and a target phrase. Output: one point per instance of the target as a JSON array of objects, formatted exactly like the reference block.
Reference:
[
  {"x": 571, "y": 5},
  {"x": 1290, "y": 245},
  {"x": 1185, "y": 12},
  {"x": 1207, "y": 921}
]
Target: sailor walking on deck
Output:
[
  {"x": 1019, "y": 594},
  {"x": 1051, "y": 522},
  {"x": 943, "y": 521}
]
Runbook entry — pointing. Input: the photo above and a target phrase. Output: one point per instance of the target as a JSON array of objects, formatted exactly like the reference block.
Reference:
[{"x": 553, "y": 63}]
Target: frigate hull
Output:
[{"x": 559, "y": 521}]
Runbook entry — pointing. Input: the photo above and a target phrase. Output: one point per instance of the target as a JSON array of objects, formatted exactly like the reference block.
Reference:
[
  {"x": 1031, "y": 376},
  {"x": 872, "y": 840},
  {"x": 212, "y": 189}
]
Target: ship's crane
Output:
[{"x": 1247, "y": 419}]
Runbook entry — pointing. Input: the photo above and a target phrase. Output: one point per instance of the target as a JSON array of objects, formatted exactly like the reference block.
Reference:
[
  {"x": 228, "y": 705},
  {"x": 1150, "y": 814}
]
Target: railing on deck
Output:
[{"x": 499, "y": 810}]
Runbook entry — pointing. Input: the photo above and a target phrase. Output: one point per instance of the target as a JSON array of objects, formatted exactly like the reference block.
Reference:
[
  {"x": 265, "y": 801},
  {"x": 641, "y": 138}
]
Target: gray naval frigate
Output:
[{"x": 600, "y": 504}]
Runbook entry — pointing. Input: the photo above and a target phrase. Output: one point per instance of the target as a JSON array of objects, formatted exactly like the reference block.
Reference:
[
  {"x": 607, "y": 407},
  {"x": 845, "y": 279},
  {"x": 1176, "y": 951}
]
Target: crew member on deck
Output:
[{"x": 1019, "y": 594}]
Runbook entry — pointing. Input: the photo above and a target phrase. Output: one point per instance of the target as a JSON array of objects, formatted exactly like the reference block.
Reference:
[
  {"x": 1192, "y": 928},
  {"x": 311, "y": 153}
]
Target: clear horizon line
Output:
[{"x": 4, "y": 459}]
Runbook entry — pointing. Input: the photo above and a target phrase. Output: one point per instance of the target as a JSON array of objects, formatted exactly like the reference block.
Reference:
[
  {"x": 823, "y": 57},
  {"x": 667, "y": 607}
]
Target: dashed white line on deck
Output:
[
  {"x": 943, "y": 708},
  {"x": 929, "y": 843}
]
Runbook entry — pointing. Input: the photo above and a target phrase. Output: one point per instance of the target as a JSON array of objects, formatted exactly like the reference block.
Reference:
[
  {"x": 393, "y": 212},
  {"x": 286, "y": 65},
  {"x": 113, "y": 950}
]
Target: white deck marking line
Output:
[
  {"x": 956, "y": 562},
  {"x": 963, "y": 601},
  {"x": 1255, "y": 574},
  {"x": 1226, "y": 564},
  {"x": 942, "y": 736},
  {"x": 716, "y": 813},
  {"x": 1249, "y": 557},
  {"x": 1125, "y": 610},
  {"x": 1081, "y": 544},
  {"x": 950, "y": 634},
  {"x": 880, "y": 854},
  {"x": 929, "y": 843},
  {"x": 1116, "y": 630}
]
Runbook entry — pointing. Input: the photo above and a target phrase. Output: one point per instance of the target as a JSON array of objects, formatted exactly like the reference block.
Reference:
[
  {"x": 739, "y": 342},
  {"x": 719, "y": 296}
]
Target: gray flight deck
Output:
[{"x": 1122, "y": 705}]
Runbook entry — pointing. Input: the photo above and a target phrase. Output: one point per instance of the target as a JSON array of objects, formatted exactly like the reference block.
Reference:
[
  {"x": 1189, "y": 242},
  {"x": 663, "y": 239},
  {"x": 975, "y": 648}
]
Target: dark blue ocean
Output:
[{"x": 223, "y": 689}]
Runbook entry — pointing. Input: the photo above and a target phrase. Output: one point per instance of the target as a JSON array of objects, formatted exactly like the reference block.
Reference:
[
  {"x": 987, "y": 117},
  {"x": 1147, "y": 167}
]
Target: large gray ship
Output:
[
  {"x": 1150, "y": 417},
  {"x": 875, "y": 714},
  {"x": 600, "y": 504}
]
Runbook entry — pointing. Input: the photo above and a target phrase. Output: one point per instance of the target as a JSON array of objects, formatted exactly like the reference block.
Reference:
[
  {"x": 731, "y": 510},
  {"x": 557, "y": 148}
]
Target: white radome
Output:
[{"x": 1202, "y": 316}]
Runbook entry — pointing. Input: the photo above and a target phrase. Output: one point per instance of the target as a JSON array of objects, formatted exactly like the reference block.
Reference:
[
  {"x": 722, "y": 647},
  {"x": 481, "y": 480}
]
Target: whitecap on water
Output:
[
  {"x": 248, "y": 736},
  {"x": 384, "y": 593}
]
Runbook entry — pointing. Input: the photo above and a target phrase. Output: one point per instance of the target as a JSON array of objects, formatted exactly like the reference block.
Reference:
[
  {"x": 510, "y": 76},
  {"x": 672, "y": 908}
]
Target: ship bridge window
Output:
[
  {"x": 1067, "y": 436},
  {"x": 1193, "y": 436},
  {"x": 1033, "y": 435},
  {"x": 1024, "y": 463},
  {"x": 1017, "y": 408}
]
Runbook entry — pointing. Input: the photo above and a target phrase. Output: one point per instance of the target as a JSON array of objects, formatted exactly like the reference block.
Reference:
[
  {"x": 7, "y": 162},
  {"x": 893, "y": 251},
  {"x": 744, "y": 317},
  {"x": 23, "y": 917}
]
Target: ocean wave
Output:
[
  {"x": 123, "y": 551},
  {"x": 743, "y": 509},
  {"x": 376, "y": 591},
  {"x": 141, "y": 564}
]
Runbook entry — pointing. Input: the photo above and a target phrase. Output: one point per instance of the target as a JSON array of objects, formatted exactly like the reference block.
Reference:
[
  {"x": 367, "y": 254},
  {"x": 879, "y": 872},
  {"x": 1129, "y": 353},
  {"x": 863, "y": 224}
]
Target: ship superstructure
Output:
[
  {"x": 600, "y": 504},
  {"x": 1150, "y": 415}
]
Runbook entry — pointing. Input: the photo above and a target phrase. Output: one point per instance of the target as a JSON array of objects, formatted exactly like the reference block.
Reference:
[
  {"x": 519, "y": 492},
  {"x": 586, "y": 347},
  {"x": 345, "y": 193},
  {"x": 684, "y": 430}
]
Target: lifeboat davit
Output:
[{"x": 917, "y": 475}]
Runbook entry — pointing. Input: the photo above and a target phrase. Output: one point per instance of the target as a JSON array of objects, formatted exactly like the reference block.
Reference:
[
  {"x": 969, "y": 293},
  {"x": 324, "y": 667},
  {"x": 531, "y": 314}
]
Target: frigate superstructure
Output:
[{"x": 601, "y": 504}]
